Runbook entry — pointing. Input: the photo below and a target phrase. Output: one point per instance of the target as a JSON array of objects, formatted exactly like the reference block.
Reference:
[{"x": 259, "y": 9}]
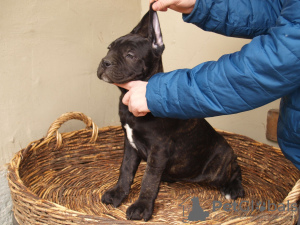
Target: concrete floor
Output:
[
  {"x": 14, "y": 221},
  {"x": 5, "y": 199}
]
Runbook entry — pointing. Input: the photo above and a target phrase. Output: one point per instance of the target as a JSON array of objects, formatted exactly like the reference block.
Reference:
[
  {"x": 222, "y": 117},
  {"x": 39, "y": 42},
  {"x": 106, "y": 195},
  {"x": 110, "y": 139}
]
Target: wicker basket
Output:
[{"x": 60, "y": 179}]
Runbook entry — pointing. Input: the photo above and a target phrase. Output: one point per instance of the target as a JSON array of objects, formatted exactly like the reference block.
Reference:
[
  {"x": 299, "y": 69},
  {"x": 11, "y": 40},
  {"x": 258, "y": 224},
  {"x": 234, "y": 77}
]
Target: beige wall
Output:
[{"x": 49, "y": 53}]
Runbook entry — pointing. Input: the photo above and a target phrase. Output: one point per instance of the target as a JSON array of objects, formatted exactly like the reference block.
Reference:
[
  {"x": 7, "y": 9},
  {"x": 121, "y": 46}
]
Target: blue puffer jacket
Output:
[{"x": 264, "y": 70}]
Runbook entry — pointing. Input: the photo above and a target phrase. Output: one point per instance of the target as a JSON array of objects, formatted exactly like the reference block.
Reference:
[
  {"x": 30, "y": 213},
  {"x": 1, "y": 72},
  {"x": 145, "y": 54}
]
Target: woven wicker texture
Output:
[{"x": 60, "y": 180}]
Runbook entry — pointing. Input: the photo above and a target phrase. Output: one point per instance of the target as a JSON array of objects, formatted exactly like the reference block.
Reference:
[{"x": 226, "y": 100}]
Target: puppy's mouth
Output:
[
  {"x": 105, "y": 78},
  {"x": 112, "y": 74},
  {"x": 102, "y": 75},
  {"x": 109, "y": 76}
]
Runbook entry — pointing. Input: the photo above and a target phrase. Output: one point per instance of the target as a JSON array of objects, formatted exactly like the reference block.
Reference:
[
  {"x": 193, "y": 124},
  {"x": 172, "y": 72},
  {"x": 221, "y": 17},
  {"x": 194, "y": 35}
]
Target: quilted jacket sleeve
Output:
[
  {"x": 265, "y": 69},
  {"x": 243, "y": 18}
]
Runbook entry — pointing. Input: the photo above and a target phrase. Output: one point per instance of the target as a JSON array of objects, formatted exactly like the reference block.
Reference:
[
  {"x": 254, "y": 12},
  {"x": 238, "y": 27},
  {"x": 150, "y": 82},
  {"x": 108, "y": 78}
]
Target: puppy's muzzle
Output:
[{"x": 105, "y": 64}]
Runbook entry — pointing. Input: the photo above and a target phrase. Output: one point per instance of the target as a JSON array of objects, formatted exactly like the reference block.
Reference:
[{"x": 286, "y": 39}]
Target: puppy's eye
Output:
[{"x": 130, "y": 56}]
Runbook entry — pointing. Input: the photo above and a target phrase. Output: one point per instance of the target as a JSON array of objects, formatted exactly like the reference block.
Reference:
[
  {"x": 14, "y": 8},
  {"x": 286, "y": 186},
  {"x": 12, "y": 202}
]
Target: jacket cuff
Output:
[{"x": 152, "y": 97}]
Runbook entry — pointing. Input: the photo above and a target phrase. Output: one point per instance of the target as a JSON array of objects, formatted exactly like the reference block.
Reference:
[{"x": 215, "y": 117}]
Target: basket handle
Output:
[
  {"x": 294, "y": 194},
  {"x": 53, "y": 129}
]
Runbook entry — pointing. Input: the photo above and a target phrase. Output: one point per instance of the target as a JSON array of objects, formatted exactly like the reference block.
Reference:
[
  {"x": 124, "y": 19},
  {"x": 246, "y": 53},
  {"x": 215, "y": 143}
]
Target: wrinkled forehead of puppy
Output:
[{"x": 130, "y": 42}]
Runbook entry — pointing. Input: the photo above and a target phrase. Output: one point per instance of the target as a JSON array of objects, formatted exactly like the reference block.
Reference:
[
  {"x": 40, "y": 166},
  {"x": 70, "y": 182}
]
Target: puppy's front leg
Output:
[
  {"x": 130, "y": 163},
  {"x": 143, "y": 207}
]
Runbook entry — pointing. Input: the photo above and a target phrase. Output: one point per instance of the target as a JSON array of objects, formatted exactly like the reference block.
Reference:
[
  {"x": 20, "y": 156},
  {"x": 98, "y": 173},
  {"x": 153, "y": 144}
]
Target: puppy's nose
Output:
[{"x": 106, "y": 63}]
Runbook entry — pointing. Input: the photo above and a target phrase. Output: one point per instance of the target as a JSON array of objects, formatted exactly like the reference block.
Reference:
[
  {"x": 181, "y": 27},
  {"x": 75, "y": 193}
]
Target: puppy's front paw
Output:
[
  {"x": 141, "y": 209},
  {"x": 113, "y": 196}
]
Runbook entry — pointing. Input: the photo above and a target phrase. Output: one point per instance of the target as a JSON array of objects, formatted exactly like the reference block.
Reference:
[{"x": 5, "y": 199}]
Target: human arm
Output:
[{"x": 264, "y": 70}]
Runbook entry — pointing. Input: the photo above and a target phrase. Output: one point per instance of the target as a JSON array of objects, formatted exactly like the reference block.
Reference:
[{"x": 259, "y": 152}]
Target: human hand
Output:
[
  {"x": 182, "y": 6},
  {"x": 135, "y": 98}
]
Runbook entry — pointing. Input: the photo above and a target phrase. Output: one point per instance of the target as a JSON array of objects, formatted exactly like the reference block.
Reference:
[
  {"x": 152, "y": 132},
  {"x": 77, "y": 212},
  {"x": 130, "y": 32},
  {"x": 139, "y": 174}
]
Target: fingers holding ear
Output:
[
  {"x": 161, "y": 5},
  {"x": 181, "y": 6}
]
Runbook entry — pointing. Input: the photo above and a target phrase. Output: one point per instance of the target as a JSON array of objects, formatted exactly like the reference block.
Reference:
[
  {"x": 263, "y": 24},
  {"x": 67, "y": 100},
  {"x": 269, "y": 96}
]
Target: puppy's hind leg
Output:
[{"x": 234, "y": 189}]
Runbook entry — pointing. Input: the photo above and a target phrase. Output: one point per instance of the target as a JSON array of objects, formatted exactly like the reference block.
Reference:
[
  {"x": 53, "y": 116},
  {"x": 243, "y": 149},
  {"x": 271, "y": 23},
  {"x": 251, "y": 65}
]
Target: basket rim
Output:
[{"x": 14, "y": 166}]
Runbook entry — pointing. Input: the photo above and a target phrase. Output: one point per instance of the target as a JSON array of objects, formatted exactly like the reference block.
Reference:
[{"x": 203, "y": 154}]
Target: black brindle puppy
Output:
[{"x": 175, "y": 150}]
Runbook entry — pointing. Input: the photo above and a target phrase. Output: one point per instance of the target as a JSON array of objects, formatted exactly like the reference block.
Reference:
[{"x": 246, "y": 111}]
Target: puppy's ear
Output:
[
  {"x": 142, "y": 27},
  {"x": 149, "y": 28},
  {"x": 154, "y": 32}
]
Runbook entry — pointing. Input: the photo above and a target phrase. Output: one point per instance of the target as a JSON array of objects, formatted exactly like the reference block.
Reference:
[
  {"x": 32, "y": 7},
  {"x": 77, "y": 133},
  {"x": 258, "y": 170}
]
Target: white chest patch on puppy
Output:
[{"x": 129, "y": 135}]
